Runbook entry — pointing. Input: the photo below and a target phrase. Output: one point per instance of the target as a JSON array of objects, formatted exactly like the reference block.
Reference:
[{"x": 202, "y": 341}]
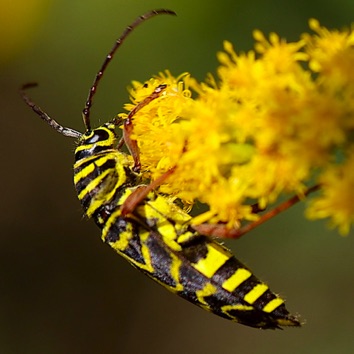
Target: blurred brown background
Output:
[{"x": 62, "y": 290}]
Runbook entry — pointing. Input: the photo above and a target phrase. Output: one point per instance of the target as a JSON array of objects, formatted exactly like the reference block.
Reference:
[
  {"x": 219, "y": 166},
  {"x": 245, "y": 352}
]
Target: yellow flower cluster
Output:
[{"x": 276, "y": 120}]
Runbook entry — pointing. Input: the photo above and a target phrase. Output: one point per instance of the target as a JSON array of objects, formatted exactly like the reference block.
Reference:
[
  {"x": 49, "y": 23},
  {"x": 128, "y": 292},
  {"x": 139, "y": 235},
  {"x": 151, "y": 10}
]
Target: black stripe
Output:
[
  {"x": 95, "y": 149},
  {"x": 191, "y": 280},
  {"x": 194, "y": 253},
  {"x": 246, "y": 286},
  {"x": 195, "y": 248},
  {"x": 86, "y": 200},
  {"x": 160, "y": 259},
  {"x": 133, "y": 250},
  {"x": 227, "y": 270},
  {"x": 282, "y": 312},
  {"x": 264, "y": 299},
  {"x": 119, "y": 226},
  {"x": 87, "y": 162},
  {"x": 83, "y": 182}
]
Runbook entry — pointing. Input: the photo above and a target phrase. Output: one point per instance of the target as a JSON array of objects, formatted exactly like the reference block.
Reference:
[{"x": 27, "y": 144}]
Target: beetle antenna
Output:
[{"x": 109, "y": 57}]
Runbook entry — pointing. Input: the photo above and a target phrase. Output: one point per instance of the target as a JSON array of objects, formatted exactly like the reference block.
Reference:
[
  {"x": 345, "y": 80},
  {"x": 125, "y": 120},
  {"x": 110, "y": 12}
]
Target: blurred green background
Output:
[{"x": 64, "y": 291}]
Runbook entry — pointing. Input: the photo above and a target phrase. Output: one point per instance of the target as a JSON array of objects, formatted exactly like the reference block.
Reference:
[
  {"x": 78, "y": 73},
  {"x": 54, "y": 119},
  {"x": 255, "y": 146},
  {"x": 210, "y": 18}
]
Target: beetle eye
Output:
[{"x": 97, "y": 135}]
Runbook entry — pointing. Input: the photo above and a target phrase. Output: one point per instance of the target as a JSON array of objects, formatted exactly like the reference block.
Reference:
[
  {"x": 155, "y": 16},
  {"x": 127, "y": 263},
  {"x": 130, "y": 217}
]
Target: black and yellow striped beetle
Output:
[{"x": 153, "y": 233}]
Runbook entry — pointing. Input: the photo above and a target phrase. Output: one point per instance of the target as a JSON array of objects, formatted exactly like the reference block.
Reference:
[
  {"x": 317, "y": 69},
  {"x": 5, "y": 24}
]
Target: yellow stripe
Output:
[
  {"x": 208, "y": 290},
  {"x": 90, "y": 168},
  {"x": 236, "y": 307},
  {"x": 123, "y": 241},
  {"x": 94, "y": 205},
  {"x": 83, "y": 173},
  {"x": 236, "y": 279},
  {"x": 214, "y": 259},
  {"x": 93, "y": 184},
  {"x": 84, "y": 161},
  {"x": 174, "y": 271},
  {"x": 166, "y": 229},
  {"x": 273, "y": 304},
  {"x": 255, "y": 293},
  {"x": 145, "y": 252},
  {"x": 186, "y": 236},
  {"x": 99, "y": 199}
]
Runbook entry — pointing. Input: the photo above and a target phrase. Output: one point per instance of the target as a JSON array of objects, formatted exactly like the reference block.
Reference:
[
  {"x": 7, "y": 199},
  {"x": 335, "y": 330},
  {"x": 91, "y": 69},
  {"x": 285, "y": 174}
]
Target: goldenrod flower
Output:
[{"x": 276, "y": 119}]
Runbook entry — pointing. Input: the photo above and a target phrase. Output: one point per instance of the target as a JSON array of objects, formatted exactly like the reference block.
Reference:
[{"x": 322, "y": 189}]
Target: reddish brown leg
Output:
[
  {"x": 141, "y": 193},
  {"x": 217, "y": 230},
  {"x": 132, "y": 144},
  {"x": 220, "y": 230},
  {"x": 120, "y": 143}
]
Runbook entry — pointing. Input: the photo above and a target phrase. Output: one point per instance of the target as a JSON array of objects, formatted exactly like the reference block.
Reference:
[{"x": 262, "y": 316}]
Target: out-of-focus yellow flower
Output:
[
  {"x": 275, "y": 120},
  {"x": 18, "y": 21}
]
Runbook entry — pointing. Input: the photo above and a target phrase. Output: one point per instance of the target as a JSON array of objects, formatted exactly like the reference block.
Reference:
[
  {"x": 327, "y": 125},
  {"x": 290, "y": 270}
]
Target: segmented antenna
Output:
[
  {"x": 109, "y": 57},
  {"x": 52, "y": 122}
]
